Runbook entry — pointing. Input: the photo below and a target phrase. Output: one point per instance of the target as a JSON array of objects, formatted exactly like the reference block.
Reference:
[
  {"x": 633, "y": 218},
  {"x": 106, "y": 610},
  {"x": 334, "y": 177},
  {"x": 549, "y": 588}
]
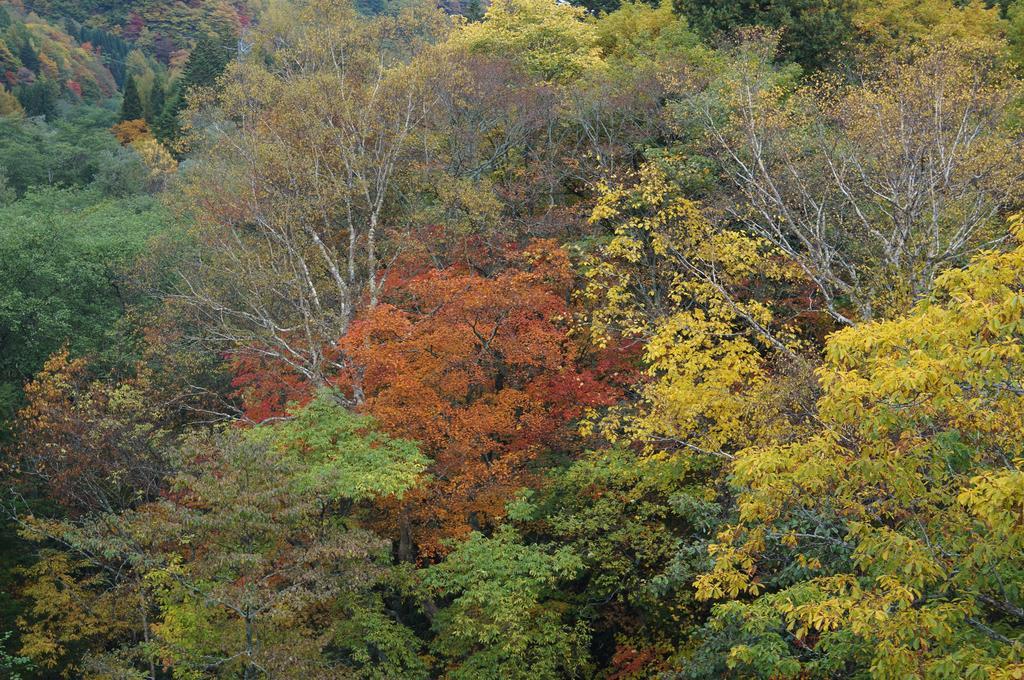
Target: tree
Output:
[
  {"x": 300, "y": 184},
  {"x": 68, "y": 151},
  {"x": 156, "y": 103},
  {"x": 130, "y": 131},
  {"x": 39, "y": 98},
  {"x": 7, "y": 192},
  {"x": 206, "y": 62},
  {"x": 93, "y": 447},
  {"x": 76, "y": 606},
  {"x": 9, "y": 104},
  {"x": 641, "y": 526},
  {"x": 636, "y": 31},
  {"x": 552, "y": 40},
  {"x": 502, "y": 622},
  {"x": 871, "y": 188},
  {"x": 813, "y": 32},
  {"x": 883, "y": 27},
  {"x": 28, "y": 56},
  {"x": 65, "y": 253},
  {"x": 481, "y": 372},
  {"x": 250, "y": 564},
  {"x": 131, "y": 105},
  {"x": 13, "y": 666},
  {"x": 288, "y": 555},
  {"x": 167, "y": 127},
  {"x": 700, "y": 300},
  {"x": 889, "y": 536}
]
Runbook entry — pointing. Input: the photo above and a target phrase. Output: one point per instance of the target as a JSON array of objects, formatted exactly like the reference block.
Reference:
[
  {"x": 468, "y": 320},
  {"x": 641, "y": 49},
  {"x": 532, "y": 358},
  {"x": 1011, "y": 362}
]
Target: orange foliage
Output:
[
  {"x": 629, "y": 663},
  {"x": 482, "y": 373},
  {"x": 130, "y": 131}
]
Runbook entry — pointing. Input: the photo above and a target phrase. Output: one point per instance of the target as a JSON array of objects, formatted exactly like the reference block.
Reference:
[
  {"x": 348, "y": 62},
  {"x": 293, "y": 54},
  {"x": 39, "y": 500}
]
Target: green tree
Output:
[
  {"x": 167, "y": 126},
  {"x": 131, "y": 104},
  {"x": 156, "y": 104},
  {"x": 28, "y": 56},
  {"x": 286, "y": 550},
  {"x": 641, "y": 526},
  {"x": 814, "y": 32},
  {"x": 40, "y": 98},
  {"x": 206, "y": 62},
  {"x": 68, "y": 151},
  {"x": 253, "y": 564},
  {"x": 64, "y": 253},
  {"x": 13, "y": 666},
  {"x": 7, "y": 192},
  {"x": 504, "y": 620}
]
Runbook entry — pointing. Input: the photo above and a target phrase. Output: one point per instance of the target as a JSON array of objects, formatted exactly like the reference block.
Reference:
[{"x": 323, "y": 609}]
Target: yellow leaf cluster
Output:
[
  {"x": 670, "y": 279},
  {"x": 553, "y": 40}
]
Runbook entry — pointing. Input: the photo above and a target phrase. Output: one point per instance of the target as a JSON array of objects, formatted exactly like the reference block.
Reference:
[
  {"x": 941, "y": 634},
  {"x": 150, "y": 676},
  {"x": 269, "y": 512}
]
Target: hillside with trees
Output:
[
  {"x": 167, "y": 28},
  {"x": 512, "y": 340},
  {"x": 40, "y": 63}
]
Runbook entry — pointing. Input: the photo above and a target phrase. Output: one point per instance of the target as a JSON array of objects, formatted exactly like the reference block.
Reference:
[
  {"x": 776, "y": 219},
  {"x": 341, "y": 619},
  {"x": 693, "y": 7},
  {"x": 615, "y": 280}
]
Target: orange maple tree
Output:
[{"x": 483, "y": 373}]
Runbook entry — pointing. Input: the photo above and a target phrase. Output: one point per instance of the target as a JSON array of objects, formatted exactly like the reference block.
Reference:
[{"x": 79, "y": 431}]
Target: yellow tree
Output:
[
  {"x": 552, "y": 40},
  {"x": 714, "y": 320},
  {"x": 9, "y": 104},
  {"x": 902, "y": 514},
  {"x": 883, "y": 26},
  {"x": 692, "y": 295}
]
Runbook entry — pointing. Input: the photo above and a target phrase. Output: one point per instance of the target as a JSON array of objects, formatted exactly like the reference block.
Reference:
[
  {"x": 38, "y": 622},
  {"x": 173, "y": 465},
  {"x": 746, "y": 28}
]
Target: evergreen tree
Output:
[
  {"x": 28, "y": 56},
  {"x": 473, "y": 11},
  {"x": 167, "y": 128},
  {"x": 7, "y": 192},
  {"x": 39, "y": 98},
  {"x": 131, "y": 105},
  {"x": 157, "y": 101},
  {"x": 592, "y": 6},
  {"x": 812, "y": 30},
  {"x": 207, "y": 61},
  {"x": 370, "y": 8}
]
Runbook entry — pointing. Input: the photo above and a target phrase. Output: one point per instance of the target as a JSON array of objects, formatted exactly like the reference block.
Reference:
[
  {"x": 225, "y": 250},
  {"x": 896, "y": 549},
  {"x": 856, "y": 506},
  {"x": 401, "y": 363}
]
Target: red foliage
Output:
[
  {"x": 267, "y": 387},
  {"x": 480, "y": 370}
]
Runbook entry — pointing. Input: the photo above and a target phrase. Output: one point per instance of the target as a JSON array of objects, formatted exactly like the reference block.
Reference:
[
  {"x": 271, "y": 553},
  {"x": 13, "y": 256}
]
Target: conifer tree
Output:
[
  {"x": 131, "y": 105},
  {"x": 39, "y": 98},
  {"x": 207, "y": 61},
  {"x": 157, "y": 100},
  {"x": 166, "y": 127},
  {"x": 28, "y": 56}
]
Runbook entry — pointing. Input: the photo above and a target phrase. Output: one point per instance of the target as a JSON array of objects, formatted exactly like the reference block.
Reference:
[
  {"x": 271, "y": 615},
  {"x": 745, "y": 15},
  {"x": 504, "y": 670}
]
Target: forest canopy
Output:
[{"x": 518, "y": 339}]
